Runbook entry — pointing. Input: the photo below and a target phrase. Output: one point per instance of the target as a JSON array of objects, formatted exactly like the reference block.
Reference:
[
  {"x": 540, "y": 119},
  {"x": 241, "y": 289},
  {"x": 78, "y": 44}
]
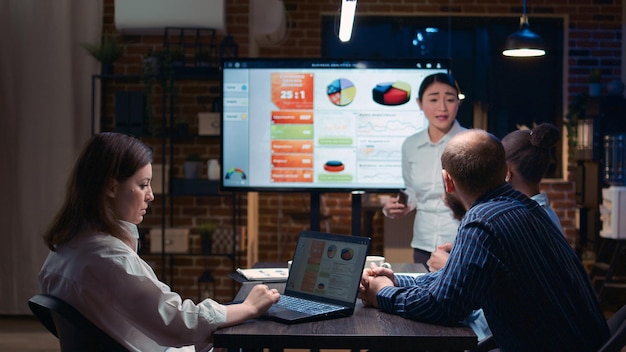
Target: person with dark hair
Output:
[
  {"x": 438, "y": 98},
  {"x": 94, "y": 266},
  {"x": 508, "y": 259},
  {"x": 528, "y": 158}
]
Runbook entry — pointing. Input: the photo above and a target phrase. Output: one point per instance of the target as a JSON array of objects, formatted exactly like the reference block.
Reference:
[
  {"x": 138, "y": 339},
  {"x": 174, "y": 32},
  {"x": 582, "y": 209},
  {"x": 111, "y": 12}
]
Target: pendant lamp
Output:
[
  {"x": 524, "y": 42},
  {"x": 348, "y": 11}
]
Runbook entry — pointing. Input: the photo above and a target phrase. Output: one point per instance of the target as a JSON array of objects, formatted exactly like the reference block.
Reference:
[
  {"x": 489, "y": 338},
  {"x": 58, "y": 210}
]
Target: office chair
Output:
[
  {"x": 616, "y": 341},
  {"x": 74, "y": 331},
  {"x": 617, "y": 327}
]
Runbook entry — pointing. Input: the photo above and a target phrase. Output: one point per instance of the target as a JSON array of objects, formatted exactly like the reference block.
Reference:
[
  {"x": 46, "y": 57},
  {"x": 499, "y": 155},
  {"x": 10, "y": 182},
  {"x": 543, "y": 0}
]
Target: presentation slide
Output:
[{"x": 319, "y": 124}]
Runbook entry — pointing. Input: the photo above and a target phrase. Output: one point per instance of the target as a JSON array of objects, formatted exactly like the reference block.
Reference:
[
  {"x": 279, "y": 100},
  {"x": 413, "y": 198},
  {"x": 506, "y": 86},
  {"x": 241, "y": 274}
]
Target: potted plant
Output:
[
  {"x": 192, "y": 166},
  {"x": 152, "y": 63},
  {"x": 575, "y": 113},
  {"x": 203, "y": 56},
  {"x": 176, "y": 56},
  {"x": 106, "y": 52},
  {"x": 206, "y": 236}
]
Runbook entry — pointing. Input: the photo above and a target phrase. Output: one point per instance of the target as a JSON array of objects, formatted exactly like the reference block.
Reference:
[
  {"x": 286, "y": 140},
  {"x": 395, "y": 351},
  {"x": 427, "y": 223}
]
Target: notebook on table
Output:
[
  {"x": 324, "y": 278},
  {"x": 264, "y": 274}
]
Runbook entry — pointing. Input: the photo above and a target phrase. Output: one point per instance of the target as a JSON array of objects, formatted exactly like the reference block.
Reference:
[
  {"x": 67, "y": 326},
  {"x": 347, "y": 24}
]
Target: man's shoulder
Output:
[
  {"x": 501, "y": 197},
  {"x": 494, "y": 207},
  {"x": 503, "y": 200}
]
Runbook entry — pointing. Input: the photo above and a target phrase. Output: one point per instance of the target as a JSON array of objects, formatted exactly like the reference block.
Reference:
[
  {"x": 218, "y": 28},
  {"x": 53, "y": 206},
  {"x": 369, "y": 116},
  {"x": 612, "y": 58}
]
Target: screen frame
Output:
[{"x": 307, "y": 63}]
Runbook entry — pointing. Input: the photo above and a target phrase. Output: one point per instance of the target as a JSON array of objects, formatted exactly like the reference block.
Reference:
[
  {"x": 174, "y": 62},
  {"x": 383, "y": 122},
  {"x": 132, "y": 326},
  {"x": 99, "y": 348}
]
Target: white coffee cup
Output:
[
  {"x": 379, "y": 260},
  {"x": 289, "y": 264}
]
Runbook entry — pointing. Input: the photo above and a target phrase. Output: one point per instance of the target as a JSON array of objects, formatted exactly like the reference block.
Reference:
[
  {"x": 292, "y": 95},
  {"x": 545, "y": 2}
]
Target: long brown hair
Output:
[{"x": 106, "y": 157}]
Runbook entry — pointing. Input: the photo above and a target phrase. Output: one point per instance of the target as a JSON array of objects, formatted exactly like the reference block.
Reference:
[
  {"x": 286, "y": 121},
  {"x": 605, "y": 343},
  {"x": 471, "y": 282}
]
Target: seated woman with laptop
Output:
[{"x": 93, "y": 264}]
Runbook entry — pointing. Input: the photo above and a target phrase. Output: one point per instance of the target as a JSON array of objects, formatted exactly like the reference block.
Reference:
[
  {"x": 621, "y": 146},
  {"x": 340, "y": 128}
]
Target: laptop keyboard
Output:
[{"x": 305, "y": 306}]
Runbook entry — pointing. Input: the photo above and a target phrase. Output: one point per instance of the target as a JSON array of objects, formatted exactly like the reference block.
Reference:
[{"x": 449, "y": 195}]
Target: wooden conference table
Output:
[{"x": 367, "y": 328}]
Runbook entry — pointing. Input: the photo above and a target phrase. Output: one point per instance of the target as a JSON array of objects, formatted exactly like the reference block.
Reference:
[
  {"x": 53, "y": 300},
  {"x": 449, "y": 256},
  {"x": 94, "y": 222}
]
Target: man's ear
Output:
[{"x": 448, "y": 182}]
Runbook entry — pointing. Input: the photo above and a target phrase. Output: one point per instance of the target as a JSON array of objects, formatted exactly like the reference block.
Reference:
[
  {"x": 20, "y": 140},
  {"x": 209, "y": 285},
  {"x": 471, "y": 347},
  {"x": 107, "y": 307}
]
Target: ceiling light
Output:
[
  {"x": 348, "y": 10},
  {"x": 524, "y": 42}
]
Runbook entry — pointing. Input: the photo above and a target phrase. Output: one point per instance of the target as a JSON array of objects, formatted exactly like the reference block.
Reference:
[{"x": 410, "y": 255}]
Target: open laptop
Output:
[{"x": 325, "y": 276}]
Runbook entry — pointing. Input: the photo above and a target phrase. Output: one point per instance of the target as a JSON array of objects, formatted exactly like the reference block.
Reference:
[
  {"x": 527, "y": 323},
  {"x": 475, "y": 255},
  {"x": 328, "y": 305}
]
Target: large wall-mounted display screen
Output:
[{"x": 319, "y": 124}]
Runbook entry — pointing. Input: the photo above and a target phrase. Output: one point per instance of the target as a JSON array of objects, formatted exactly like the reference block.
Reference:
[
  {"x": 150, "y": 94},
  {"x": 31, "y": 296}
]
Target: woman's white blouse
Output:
[
  {"x": 112, "y": 286},
  {"x": 421, "y": 171}
]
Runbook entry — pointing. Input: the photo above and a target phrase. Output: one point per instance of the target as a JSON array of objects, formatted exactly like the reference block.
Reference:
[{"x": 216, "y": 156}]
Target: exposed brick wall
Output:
[
  {"x": 185, "y": 271},
  {"x": 562, "y": 200},
  {"x": 593, "y": 41}
]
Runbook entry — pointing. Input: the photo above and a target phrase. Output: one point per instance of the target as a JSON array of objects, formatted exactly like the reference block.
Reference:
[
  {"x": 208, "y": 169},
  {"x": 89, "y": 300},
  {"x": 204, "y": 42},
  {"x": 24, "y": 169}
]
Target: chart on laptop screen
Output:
[{"x": 326, "y": 268}]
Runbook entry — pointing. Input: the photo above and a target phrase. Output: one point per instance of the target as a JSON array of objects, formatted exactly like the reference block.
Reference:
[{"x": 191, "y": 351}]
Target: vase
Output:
[
  {"x": 191, "y": 169},
  {"x": 206, "y": 244},
  {"x": 214, "y": 169},
  {"x": 595, "y": 89}
]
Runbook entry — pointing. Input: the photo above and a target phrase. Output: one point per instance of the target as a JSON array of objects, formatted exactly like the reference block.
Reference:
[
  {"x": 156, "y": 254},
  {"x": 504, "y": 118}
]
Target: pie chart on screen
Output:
[
  {"x": 391, "y": 93},
  {"x": 341, "y": 92}
]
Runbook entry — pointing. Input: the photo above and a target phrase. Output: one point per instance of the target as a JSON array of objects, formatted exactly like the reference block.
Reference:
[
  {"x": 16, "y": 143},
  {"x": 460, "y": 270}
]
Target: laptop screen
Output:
[{"x": 326, "y": 265}]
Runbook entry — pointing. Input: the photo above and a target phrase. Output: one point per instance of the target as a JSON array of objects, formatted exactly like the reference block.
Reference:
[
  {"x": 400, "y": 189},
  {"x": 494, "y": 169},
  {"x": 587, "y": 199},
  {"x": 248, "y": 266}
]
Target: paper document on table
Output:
[{"x": 264, "y": 274}]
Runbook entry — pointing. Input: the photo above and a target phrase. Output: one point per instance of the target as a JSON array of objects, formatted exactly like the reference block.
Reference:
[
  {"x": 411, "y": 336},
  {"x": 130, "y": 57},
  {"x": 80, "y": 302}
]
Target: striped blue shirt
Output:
[{"x": 511, "y": 260}]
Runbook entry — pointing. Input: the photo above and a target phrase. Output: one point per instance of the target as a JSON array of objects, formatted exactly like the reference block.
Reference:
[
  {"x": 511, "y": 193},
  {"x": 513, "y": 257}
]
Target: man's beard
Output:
[{"x": 458, "y": 210}]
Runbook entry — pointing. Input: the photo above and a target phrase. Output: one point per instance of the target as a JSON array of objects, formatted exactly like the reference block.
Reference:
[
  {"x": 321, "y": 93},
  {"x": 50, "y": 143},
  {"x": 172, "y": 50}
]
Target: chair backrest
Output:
[
  {"x": 74, "y": 331},
  {"x": 615, "y": 343},
  {"x": 617, "y": 327}
]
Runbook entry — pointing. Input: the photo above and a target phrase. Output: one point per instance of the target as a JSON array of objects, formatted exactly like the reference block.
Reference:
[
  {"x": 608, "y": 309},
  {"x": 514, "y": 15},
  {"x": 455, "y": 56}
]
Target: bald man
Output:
[{"x": 508, "y": 259}]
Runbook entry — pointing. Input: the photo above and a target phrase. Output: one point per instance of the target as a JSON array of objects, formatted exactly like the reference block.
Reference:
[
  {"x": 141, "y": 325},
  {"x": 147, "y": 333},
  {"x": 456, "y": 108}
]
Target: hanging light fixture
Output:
[
  {"x": 348, "y": 10},
  {"x": 524, "y": 42}
]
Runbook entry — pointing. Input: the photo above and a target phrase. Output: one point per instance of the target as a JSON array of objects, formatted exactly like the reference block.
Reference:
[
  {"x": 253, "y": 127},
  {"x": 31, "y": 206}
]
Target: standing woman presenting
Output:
[{"x": 438, "y": 98}]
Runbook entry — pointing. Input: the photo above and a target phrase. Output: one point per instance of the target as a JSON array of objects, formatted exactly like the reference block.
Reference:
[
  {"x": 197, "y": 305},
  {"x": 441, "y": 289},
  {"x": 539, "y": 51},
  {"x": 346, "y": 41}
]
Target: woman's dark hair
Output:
[
  {"x": 444, "y": 78},
  {"x": 106, "y": 157},
  {"x": 530, "y": 151}
]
